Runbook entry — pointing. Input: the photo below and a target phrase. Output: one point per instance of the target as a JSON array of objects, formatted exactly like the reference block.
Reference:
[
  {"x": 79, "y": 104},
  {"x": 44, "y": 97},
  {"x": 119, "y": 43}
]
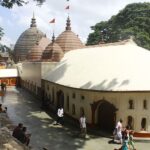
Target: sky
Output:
[{"x": 83, "y": 15}]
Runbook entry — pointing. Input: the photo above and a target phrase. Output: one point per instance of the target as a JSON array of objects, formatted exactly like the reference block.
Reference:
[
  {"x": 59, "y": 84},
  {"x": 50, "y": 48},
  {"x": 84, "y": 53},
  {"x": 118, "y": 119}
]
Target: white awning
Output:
[{"x": 4, "y": 73}]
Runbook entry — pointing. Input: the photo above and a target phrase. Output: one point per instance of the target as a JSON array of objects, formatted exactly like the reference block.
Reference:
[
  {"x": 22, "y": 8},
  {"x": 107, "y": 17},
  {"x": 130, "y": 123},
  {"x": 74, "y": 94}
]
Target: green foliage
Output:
[
  {"x": 1, "y": 33},
  {"x": 4, "y": 48},
  {"x": 133, "y": 20},
  {"x": 11, "y": 3}
]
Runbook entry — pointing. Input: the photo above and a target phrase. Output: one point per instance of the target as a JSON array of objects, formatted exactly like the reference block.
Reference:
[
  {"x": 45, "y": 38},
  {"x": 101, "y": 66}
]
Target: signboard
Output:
[{"x": 9, "y": 81}]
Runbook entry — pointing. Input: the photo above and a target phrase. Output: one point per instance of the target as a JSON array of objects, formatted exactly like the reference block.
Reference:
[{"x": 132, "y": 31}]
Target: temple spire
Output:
[
  {"x": 33, "y": 21},
  {"x": 53, "y": 38},
  {"x": 68, "y": 24},
  {"x": 37, "y": 39}
]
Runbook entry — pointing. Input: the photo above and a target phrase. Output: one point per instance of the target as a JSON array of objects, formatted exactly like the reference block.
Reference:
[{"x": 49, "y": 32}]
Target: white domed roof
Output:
[{"x": 120, "y": 66}]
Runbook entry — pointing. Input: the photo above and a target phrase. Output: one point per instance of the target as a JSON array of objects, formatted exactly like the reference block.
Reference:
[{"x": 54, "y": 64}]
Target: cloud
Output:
[{"x": 83, "y": 15}]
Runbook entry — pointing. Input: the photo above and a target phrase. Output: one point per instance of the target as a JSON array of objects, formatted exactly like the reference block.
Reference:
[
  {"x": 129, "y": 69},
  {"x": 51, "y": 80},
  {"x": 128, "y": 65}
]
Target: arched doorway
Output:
[
  {"x": 130, "y": 122},
  {"x": 143, "y": 124},
  {"x": 106, "y": 116},
  {"x": 60, "y": 99}
]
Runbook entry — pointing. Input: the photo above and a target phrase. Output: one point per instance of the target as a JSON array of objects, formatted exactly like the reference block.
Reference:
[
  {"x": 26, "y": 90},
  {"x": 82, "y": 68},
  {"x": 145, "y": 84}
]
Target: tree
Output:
[
  {"x": 133, "y": 20},
  {"x": 1, "y": 32},
  {"x": 11, "y": 3}
]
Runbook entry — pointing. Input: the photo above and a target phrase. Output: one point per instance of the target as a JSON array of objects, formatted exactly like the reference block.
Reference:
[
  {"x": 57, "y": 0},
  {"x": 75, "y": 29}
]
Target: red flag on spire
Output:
[
  {"x": 67, "y": 7},
  {"x": 52, "y": 21}
]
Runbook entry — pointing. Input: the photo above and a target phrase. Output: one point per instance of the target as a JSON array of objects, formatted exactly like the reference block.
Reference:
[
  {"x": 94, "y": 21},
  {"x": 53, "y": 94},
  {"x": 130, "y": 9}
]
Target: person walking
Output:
[
  {"x": 131, "y": 142},
  {"x": 125, "y": 145},
  {"x": 60, "y": 115},
  {"x": 82, "y": 121},
  {"x": 2, "y": 86},
  {"x": 118, "y": 135}
]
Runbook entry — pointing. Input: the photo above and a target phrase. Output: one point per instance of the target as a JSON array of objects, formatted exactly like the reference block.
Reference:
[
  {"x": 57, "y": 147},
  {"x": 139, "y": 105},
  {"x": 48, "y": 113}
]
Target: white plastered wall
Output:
[{"x": 119, "y": 99}]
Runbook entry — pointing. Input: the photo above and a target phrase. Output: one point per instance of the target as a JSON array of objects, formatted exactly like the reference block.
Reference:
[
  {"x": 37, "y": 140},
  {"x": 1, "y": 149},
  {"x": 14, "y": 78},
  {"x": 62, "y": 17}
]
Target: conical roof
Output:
[
  {"x": 53, "y": 52},
  {"x": 68, "y": 40},
  {"x": 57, "y": 53},
  {"x": 27, "y": 40},
  {"x": 36, "y": 51}
]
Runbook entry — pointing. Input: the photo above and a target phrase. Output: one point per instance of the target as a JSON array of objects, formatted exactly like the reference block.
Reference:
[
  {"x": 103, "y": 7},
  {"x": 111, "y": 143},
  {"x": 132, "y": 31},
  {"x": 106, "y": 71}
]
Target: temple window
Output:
[
  {"x": 73, "y": 109},
  {"x": 49, "y": 97},
  {"x": 130, "y": 122},
  {"x": 143, "y": 124},
  {"x": 35, "y": 88},
  {"x": 67, "y": 103},
  {"x": 145, "y": 104},
  {"x": 53, "y": 95},
  {"x": 47, "y": 87},
  {"x": 82, "y": 97},
  {"x": 82, "y": 111},
  {"x": 131, "y": 104},
  {"x": 73, "y": 95}
]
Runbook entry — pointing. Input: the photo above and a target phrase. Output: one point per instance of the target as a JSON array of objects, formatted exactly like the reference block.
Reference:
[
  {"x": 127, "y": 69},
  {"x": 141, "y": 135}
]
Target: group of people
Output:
[
  {"x": 82, "y": 121},
  {"x": 123, "y": 136},
  {"x": 20, "y": 133}
]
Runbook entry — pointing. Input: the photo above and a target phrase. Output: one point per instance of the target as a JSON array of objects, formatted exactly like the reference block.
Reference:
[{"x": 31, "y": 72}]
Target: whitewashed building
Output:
[{"x": 106, "y": 82}]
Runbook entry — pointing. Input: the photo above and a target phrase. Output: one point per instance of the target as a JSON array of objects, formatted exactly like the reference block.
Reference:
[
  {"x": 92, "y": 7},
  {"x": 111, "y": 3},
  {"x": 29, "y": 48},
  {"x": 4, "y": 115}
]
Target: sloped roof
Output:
[
  {"x": 122, "y": 66},
  {"x": 50, "y": 49}
]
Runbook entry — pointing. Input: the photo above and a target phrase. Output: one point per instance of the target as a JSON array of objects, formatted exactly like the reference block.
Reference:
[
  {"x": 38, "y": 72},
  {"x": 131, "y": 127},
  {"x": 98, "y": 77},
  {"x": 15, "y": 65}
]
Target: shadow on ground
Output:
[{"x": 23, "y": 107}]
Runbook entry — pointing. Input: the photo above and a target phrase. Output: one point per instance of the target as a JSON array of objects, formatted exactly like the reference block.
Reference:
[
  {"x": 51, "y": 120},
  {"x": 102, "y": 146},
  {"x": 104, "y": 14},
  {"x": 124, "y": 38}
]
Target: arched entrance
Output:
[
  {"x": 60, "y": 99},
  {"x": 106, "y": 116}
]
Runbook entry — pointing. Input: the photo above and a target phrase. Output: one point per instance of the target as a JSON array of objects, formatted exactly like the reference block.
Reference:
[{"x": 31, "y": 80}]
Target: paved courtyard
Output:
[{"x": 23, "y": 107}]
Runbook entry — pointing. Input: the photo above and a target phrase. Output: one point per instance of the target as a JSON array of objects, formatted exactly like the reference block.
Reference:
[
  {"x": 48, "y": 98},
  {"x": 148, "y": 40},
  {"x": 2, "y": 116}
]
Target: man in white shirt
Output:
[
  {"x": 82, "y": 121},
  {"x": 119, "y": 131},
  {"x": 60, "y": 114}
]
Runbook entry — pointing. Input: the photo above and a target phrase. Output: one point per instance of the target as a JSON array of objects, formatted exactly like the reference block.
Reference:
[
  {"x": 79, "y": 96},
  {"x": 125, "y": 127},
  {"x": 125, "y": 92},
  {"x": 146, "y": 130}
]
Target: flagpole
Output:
[
  {"x": 68, "y": 7},
  {"x": 53, "y": 28}
]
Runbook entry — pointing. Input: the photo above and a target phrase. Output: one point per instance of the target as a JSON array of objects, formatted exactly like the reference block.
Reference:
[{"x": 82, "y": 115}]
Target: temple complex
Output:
[{"x": 106, "y": 82}]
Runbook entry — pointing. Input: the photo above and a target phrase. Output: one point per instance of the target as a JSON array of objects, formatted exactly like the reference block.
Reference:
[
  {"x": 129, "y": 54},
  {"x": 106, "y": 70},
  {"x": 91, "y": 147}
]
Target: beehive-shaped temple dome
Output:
[
  {"x": 35, "y": 54},
  {"x": 53, "y": 52},
  {"x": 68, "y": 40},
  {"x": 27, "y": 40}
]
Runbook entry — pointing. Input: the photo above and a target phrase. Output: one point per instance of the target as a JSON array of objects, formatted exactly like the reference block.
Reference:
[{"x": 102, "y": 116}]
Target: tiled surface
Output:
[{"x": 23, "y": 107}]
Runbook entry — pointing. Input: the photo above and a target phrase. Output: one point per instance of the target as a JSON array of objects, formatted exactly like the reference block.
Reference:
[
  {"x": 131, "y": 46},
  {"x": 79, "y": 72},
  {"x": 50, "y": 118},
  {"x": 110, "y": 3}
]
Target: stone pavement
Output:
[{"x": 23, "y": 107}]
